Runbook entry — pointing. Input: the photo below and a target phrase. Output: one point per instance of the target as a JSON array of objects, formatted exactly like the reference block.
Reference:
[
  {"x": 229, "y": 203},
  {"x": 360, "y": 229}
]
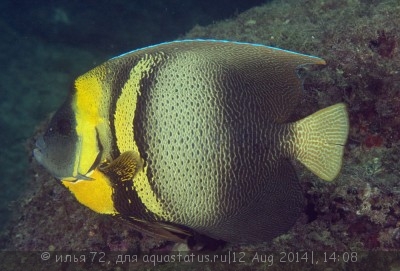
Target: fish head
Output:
[{"x": 59, "y": 149}]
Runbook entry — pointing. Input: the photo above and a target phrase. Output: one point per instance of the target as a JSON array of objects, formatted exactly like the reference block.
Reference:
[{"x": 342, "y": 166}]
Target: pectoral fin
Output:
[{"x": 124, "y": 167}]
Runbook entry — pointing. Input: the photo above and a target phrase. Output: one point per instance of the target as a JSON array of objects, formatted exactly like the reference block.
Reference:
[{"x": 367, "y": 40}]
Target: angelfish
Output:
[{"x": 191, "y": 137}]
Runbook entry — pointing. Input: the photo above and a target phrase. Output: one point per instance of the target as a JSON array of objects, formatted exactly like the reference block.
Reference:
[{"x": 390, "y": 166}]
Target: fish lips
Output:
[
  {"x": 42, "y": 157},
  {"x": 38, "y": 151}
]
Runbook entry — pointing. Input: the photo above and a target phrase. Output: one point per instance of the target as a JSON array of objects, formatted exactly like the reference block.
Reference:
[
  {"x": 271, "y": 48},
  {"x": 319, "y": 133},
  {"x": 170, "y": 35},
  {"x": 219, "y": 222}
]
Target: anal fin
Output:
[{"x": 272, "y": 211}]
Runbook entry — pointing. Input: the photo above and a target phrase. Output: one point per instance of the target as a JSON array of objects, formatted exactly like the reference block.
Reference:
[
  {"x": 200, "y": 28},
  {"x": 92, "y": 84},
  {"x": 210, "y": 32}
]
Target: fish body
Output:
[{"x": 192, "y": 136}]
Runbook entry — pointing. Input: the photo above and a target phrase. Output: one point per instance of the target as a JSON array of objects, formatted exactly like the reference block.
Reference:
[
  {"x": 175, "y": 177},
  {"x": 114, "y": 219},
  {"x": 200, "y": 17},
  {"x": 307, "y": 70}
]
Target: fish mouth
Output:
[{"x": 38, "y": 151}]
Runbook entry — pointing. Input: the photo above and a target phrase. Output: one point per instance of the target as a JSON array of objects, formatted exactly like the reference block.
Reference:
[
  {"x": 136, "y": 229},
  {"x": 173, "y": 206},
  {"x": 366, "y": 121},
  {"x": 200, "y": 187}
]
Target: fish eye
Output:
[{"x": 64, "y": 126}]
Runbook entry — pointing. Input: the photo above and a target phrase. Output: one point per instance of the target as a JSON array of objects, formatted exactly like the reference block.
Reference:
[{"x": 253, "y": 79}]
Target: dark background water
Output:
[
  {"x": 45, "y": 44},
  {"x": 115, "y": 25}
]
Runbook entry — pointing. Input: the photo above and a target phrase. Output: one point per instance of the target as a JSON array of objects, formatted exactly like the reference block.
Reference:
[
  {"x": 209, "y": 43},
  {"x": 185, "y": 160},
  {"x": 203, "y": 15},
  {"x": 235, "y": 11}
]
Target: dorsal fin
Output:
[{"x": 249, "y": 69}]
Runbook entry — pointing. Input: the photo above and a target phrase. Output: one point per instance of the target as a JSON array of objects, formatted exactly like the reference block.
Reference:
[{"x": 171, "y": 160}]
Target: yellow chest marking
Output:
[
  {"x": 95, "y": 194},
  {"x": 124, "y": 115}
]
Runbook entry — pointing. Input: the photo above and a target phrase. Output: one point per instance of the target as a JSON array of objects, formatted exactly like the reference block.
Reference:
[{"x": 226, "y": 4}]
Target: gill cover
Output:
[
  {"x": 55, "y": 150},
  {"x": 58, "y": 150}
]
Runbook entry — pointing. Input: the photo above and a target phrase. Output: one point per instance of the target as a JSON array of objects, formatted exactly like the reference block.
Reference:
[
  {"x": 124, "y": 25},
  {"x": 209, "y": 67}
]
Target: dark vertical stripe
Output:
[
  {"x": 142, "y": 119},
  {"x": 123, "y": 192},
  {"x": 121, "y": 71}
]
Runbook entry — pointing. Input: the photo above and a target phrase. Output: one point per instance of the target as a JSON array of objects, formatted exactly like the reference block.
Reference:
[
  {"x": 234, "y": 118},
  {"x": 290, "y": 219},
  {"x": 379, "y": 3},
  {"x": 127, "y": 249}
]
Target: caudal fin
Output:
[{"x": 320, "y": 140}]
